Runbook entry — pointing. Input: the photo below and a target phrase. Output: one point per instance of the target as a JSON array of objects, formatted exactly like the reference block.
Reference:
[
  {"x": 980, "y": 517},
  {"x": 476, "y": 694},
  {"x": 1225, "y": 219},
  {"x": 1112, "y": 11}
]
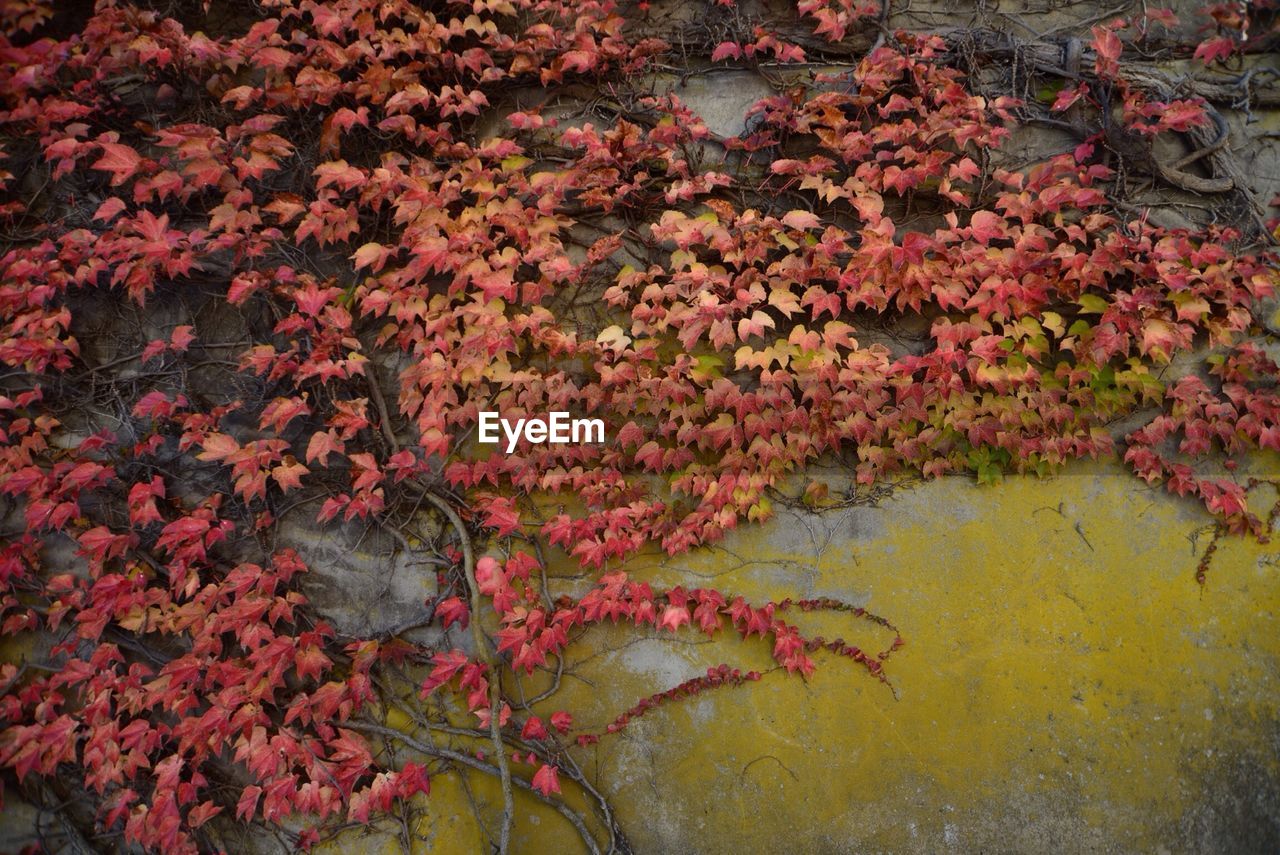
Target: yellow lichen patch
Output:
[
  {"x": 1065, "y": 681},
  {"x": 1064, "y": 678}
]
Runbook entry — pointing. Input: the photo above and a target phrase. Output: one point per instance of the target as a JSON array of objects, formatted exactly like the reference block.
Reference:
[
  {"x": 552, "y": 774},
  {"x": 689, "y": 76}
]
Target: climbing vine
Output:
[{"x": 270, "y": 261}]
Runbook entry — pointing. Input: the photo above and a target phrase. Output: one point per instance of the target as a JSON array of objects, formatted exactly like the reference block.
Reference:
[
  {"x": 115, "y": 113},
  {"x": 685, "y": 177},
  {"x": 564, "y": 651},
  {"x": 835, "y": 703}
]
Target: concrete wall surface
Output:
[{"x": 1066, "y": 685}]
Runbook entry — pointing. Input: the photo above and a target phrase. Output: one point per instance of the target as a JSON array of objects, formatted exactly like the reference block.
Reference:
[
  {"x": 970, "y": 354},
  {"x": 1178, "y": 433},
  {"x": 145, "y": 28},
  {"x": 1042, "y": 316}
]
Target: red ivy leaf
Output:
[
  {"x": 533, "y": 729},
  {"x": 120, "y": 160},
  {"x": 547, "y": 780},
  {"x": 453, "y": 610},
  {"x": 1069, "y": 95},
  {"x": 726, "y": 50},
  {"x": 1216, "y": 49},
  {"x": 248, "y": 802},
  {"x": 985, "y": 226},
  {"x": 109, "y": 209},
  {"x": 181, "y": 337},
  {"x": 1107, "y": 46},
  {"x": 218, "y": 446}
]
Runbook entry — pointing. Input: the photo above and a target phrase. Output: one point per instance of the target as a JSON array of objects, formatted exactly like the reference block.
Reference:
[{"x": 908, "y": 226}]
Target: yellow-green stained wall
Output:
[{"x": 1066, "y": 686}]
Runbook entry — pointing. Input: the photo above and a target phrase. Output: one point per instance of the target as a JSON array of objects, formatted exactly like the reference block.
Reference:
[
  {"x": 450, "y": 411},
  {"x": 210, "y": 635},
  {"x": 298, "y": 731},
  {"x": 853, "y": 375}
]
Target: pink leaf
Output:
[
  {"x": 1107, "y": 46},
  {"x": 1215, "y": 50},
  {"x": 726, "y": 50},
  {"x": 109, "y": 209},
  {"x": 181, "y": 338},
  {"x": 986, "y": 225},
  {"x": 1068, "y": 96},
  {"x": 547, "y": 780}
]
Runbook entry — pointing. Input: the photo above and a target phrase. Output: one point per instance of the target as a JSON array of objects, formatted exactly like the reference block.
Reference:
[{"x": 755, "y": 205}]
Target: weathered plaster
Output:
[{"x": 1066, "y": 686}]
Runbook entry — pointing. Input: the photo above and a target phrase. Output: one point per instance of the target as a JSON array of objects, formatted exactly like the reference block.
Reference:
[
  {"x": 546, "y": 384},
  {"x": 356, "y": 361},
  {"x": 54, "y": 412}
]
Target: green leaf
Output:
[
  {"x": 1049, "y": 92},
  {"x": 706, "y": 368},
  {"x": 1092, "y": 304}
]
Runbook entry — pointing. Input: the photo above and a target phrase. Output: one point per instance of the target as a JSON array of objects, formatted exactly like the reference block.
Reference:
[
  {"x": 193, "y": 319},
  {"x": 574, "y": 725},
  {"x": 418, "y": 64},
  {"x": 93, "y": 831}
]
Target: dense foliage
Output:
[{"x": 273, "y": 260}]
